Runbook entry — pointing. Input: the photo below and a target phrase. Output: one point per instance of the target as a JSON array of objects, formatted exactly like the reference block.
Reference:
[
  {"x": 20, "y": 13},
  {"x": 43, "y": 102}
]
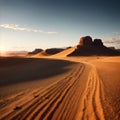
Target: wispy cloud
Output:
[
  {"x": 112, "y": 40},
  {"x": 18, "y": 27},
  {"x": 115, "y": 39},
  {"x": 117, "y": 33},
  {"x": 52, "y": 32}
]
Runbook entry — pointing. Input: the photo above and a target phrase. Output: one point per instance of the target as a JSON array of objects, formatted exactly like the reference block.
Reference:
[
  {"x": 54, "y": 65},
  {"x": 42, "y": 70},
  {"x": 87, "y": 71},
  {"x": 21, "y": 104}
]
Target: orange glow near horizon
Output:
[{"x": 2, "y": 50}]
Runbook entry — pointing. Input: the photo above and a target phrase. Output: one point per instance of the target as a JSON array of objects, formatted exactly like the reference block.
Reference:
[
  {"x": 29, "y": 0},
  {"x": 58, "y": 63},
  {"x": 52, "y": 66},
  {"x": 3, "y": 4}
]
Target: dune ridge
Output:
[{"x": 64, "y": 53}]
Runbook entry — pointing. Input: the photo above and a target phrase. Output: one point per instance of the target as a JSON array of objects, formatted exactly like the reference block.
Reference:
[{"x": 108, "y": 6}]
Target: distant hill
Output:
[
  {"x": 38, "y": 50},
  {"x": 53, "y": 51},
  {"x": 88, "y": 47},
  {"x": 118, "y": 50}
]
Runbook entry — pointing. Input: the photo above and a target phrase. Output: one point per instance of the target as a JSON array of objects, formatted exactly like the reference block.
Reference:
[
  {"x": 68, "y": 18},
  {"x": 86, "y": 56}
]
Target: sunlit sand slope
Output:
[
  {"x": 109, "y": 73},
  {"x": 64, "y": 53}
]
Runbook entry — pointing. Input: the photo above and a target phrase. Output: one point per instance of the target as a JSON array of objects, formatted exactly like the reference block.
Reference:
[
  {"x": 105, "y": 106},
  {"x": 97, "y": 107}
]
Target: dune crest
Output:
[{"x": 65, "y": 52}]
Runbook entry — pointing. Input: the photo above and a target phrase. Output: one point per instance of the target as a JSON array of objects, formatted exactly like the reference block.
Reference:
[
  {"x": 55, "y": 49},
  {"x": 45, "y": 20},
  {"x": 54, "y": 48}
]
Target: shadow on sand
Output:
[{"x": 17, "y": 70}]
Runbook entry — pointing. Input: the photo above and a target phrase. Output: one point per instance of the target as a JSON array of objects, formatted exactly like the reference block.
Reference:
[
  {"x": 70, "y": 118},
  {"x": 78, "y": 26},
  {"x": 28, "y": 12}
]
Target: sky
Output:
[{"x": 30, "y": 24}]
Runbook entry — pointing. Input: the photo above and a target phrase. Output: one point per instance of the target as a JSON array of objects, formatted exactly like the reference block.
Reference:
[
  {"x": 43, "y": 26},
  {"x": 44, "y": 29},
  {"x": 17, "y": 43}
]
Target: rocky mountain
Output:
[{"x": 87, "y": 47}]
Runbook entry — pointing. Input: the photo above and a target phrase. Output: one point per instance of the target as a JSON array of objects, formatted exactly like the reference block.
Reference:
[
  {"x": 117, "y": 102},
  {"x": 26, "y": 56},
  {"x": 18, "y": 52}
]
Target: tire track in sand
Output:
[
  {"x": 90, "y": 106},
  {"x": 64, "y": 101},
  {"x": 50, "y": 100}
]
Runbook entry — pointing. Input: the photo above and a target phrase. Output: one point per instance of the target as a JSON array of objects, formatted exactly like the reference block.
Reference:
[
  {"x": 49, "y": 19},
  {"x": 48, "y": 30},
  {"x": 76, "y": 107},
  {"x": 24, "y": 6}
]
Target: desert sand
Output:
[{"x": 60, "y": 88}]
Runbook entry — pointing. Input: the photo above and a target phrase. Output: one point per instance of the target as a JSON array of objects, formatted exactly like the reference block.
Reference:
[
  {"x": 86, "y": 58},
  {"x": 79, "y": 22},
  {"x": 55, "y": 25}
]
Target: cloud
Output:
[
  {"x": 112, "y": 40},
  {"x": 17, "y": 27},
  {"x": 52, "y": 32},
  {"x": 117, "y": 33}
]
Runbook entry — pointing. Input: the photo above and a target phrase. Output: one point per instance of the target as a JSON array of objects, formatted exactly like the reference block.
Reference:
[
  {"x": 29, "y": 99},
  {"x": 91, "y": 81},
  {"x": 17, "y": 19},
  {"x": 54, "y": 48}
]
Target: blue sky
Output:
[{"x": 29, "y": 24}]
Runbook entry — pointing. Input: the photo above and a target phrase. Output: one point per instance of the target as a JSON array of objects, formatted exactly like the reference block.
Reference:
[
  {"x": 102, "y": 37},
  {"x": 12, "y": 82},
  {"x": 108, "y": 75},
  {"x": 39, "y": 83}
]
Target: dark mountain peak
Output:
[
  {"x": 97, "y": 42},
  {"x": 88, "y": 47},
  {"x": 85, "y": 41}
]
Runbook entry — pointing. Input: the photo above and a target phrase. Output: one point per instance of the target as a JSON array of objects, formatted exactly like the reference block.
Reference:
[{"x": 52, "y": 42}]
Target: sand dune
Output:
[
  {"x": 52, "y": 51},
  {"x": 86, "y": 89},
  {"x": 64, "y": 53},
  {"x": 48, "y": 52},
  {"x": 110, "y": 80},
  {"x": 41, "y": 54}
]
